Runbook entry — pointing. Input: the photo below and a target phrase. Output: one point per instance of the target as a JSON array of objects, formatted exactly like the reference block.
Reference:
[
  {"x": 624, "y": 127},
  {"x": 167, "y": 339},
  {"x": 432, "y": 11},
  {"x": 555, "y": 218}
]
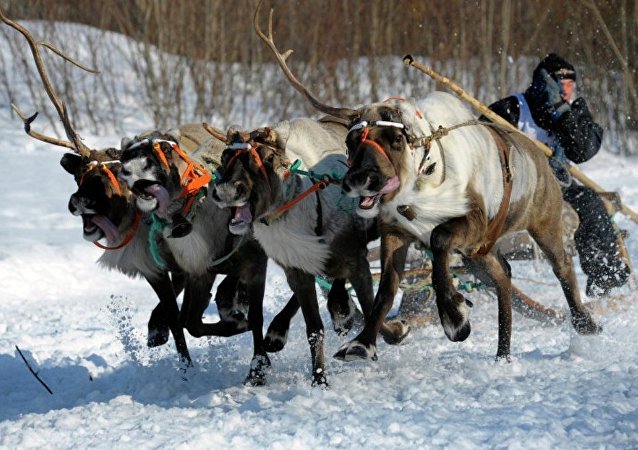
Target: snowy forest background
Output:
[{"x": 210, "y": 62}]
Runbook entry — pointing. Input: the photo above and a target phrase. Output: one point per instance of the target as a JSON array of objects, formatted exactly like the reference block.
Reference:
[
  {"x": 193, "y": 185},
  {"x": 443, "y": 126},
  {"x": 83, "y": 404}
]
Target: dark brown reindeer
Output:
[
  {"x": 107, "y": 208},
  {"x": 297, "y": 220},
  {"x": 440, "y": 177}
]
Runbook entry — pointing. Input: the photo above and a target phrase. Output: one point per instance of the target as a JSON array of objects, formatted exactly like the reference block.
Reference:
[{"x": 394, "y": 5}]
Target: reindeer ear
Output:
[
  {"x": 233, "y": 134},
  {"x": 71, "y": 162},
  {"x": 114, "y": 153},
  {"x": 125, "y": 142},
  {"x": 271, "y": 136},
  {"x": 174, "y": 134}
]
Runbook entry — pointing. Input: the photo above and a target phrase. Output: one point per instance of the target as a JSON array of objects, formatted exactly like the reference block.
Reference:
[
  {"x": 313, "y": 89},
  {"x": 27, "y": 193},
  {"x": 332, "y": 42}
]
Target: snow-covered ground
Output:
[{"x": 84, "y": 330}]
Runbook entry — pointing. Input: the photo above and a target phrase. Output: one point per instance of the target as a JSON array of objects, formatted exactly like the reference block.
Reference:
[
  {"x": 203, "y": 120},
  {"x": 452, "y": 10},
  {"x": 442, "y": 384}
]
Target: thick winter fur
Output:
[
  {"x": 198, "y": 252},
  {"x": 314, "y": 237},
  {"x": 452, "y": 201}
]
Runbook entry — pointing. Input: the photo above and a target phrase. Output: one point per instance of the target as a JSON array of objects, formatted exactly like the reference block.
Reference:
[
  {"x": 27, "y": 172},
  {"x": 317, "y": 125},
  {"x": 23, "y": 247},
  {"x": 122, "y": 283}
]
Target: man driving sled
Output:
[{"x": 549, "y": 111}]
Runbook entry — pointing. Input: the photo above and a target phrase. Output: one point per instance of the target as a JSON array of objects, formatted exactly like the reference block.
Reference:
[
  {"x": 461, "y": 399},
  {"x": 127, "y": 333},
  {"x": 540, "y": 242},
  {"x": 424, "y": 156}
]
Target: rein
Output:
[{"x": 323, "y": 181}]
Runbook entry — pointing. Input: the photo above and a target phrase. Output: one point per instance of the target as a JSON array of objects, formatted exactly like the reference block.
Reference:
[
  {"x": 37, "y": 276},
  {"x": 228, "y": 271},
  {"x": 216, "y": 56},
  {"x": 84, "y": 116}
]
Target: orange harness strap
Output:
[
  {"x": 160, "y": 154},
  {"x": 194, "y": 177},
  {"x": 127, "y": 239},
  {"x": 374, "y": 144},
  {"x": 286, "y": 206},
  {"x": 111, "y": 176},
  {"x": 253, "y": 152}
]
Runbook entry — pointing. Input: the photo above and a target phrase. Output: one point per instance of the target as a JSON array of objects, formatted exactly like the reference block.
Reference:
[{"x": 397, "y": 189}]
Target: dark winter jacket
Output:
[{"x": 575, "y": 130}]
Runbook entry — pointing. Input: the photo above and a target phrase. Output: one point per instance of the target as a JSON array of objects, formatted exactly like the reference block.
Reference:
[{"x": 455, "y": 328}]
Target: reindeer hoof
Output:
[
  {"x": 584, "y": 324},
  {"x": 274, "y": 341},
  {"x": 455, "y": 317},
  {"x": 258, "y": 367},
  {"x": 503, "y": 357},
  {"x": 319, "y": 379},
  {"x": 344, "y": 321},
  {"x": 356, "y": 351},
  {"x": 395, "y": 331},
  {"x": 157, "y": 337}
]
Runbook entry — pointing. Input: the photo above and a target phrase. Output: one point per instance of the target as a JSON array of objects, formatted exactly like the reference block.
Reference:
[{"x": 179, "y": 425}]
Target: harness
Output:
[
  {"x": 194, "y": 181},
  {"x": 116, "y": 185},
  {"x": 495, "y": 226},
  {"x": 321, "y": 181}
]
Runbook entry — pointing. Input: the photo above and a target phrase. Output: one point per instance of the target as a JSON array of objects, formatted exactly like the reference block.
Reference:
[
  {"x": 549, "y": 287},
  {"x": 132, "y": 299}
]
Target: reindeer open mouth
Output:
[
  {"x": 97, "y": 226},
  {"x": 151, "y": 196},
  {"x": 242, "y": 219},
  {"x": 369, "y": 200}
]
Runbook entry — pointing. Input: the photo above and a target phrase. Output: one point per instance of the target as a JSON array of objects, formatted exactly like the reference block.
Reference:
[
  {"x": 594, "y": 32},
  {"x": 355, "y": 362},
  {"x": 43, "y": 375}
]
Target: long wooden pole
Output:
[{"x": 576, "y": 173}]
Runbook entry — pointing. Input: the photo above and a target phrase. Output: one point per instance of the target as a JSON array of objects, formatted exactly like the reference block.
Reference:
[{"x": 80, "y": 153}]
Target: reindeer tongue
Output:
[
  {"x": 391, "y": 185},
  {"x": 110, "y": 230},
  {"x": 242, "y": 214},
  {"x": 161, "y": 194}
]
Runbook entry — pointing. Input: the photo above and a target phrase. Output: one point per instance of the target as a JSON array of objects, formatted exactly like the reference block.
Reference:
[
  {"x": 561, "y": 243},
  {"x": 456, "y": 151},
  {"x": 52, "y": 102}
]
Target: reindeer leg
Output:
[
  {"x": 342, "y": 309},
  {"x": 454, "y": 309},
  {"x": 168, "y": 303},
  {"x": 277, "y": 334},
  {"x": 394, "y": 249},
  {"x": 230, "y": 299},
  {"x": 393, "y": 332},
  {"x": 197, "y": 297},
  {"x": 303, "y": 285},
  {"x": 158, "y": 328},
  {"x": 255, "y": 286},
  {"x": 549, "y": 239},
  {"x": 498, "y": 271}
]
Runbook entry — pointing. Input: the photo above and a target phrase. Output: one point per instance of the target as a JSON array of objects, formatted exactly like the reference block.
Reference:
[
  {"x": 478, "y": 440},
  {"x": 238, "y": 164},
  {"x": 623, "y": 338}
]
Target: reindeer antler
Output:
[
  {"x": 34, "y": 134},
  {"x": 76, "y": 143},
  {"x": 217, "y": 134},
  {"x": 344, "y": 113}
]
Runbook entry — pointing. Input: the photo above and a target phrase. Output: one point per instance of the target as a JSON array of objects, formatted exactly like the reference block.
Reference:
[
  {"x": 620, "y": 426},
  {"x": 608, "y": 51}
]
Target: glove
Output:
[
  {"x": 551, "y": 89},
  {"x": 553, "y": 96}
]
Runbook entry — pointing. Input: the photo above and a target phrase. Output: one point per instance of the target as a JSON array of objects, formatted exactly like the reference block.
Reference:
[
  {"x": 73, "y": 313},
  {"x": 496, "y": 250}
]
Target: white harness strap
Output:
[{"x": 150, "y": 141}]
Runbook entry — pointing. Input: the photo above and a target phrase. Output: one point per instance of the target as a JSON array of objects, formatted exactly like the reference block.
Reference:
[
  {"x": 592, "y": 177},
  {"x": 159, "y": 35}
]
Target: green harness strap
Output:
[{"x": 157, "y": 227}]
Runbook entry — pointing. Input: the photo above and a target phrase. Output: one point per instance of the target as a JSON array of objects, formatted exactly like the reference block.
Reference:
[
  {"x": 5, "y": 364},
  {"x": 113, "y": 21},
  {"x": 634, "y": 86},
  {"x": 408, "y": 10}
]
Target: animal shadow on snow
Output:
[{"x": 90, "y": 379}]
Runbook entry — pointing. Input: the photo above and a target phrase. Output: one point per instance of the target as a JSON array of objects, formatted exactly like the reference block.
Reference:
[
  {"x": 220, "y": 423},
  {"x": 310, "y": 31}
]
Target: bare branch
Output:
[
  {"x": 60, "y": 107},
  {"x": 35, "y": 374}
]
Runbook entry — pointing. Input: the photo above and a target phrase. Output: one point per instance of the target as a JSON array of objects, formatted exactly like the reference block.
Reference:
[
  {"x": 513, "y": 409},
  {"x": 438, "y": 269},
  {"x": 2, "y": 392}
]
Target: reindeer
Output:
[
  {"x": 107, "y": 208},
  {"x": 297, "y": 220},
  {"x": 455, "y": 184}
]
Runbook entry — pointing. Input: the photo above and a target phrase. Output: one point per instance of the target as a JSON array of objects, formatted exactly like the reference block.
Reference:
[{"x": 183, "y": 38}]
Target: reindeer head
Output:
[
  {"x": 152, "y": 171},
  {"x": 105, "y": 204},
  {"x": 386, "y": 143},
  {"x": 253, "y": 170}
]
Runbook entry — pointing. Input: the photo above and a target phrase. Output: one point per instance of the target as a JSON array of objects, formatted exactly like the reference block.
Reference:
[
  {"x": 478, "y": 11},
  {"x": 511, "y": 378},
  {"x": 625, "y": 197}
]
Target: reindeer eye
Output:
[
  {"x": 398, "y": 139},
  {"x": 270, "y": 158}
]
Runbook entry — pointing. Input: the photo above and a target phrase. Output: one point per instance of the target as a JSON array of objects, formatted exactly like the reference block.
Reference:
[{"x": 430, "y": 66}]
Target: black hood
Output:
[{"x": 557, "y": 67}]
